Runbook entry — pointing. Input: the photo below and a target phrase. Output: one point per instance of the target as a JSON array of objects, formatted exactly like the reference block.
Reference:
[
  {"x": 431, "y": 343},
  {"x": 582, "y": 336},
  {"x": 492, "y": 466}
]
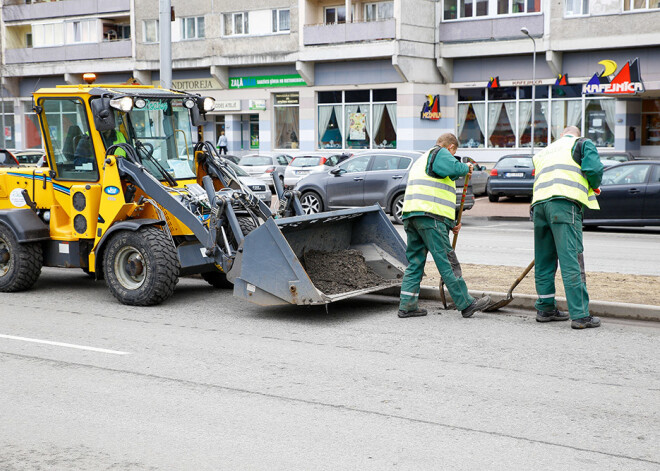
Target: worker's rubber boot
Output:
[
  {"x": 585, "y": 322},
  {"x": 416, "y": 313},
  {"x": 477, "y": 305},
  {"x": 548, "y": 316}
]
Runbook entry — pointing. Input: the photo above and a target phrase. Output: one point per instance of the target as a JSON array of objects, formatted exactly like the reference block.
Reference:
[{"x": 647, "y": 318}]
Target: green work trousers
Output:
[
  {"x": 426, "y": 234},
  {"x": 558, "y": 238}
]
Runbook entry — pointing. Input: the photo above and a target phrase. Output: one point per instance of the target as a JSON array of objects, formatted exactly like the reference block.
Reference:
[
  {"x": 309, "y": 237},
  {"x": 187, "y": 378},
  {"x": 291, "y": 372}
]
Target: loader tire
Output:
[
  {"x": 141, "y": 267},
  {"x": 20, "y": 264},
  {"x": 218, "y": 279}
]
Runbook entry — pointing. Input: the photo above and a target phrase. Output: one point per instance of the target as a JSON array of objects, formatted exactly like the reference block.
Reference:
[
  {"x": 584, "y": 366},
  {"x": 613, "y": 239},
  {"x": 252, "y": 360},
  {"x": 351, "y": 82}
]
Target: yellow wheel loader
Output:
[{"x": 132, "y": 194}]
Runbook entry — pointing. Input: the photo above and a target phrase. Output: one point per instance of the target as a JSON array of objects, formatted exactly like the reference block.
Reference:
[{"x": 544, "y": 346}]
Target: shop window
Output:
[
  {"x": 31, "y": 132},
  {"x": 358, "y": 135},
  {"x": 8, "y": 131},
  {"x": 541, "y": 92},
  {"x": 281, "y": 20},
  {"x": 599, "y": 120},
  {"x": 541, "y": 116},
  {"x": 566, "y": 91},
  {"x": 460, "y": 9},
  {"x": 631, "y": 5},
  {"x": 565, "y": 113},
  {"x": 287, "y": 121},
  {"x": 357, "y": 96},
  {"x": 501, "y": 124},
  {"x": 378, "y": 11},
  {"x": 471, "y": 94},
  {"x": 576, "y": 7},
  {"x": 384, "y": 126},
  {"x": 330, "y": 127},
  {"x": 151, "y": 32},
  {"x": 254, "y": 131},
  {"x": 502, "y": 93},
  {"x": 651, "y": 122},
  {"x": 330, "y": 97},
  {"x": 471, "y": 121}
]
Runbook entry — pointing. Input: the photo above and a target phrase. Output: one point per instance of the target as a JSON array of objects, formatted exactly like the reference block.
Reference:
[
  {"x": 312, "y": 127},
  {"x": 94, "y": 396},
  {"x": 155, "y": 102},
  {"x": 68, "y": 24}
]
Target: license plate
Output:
[
  {"x": 262, "y": 197},
  {"x": 515, "y": 175}
]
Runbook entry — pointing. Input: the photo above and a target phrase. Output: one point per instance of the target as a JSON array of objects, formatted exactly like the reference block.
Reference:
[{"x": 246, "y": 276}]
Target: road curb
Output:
[{"x": 641, "y": 312}]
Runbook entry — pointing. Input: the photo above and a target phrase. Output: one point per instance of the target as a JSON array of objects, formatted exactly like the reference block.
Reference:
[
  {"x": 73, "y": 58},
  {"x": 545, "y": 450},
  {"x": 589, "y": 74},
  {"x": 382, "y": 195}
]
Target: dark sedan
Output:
[
  {"x": 512, "y": 175},
  {"x": 630, "y": 196},
  {"x": 369, "y": 178}
]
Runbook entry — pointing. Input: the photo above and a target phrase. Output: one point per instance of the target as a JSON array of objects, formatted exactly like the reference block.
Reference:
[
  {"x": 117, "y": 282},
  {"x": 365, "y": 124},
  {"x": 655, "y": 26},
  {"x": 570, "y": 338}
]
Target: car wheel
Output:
[
  {"x": 311, "y": 203},
  {"x": 493, "y": 198},
  {"x": 397, "y": 209}
]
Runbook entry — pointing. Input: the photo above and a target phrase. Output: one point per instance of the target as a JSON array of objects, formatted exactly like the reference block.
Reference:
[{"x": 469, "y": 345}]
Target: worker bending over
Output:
[
  {"x": 567, "y": 172},
  {"x": 429, "y": 212}
]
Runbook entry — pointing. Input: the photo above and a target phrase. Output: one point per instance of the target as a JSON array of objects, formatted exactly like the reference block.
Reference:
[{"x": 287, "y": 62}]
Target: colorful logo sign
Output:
[
  {"x": 431, "y": 108},
  {"x": 562, "y": 80},
  {"x": 627, "y": 82},
  {"x": 494, "y": 82},
  {"x": 111, "y": 190},
  {"x": 266, "y": 81}
]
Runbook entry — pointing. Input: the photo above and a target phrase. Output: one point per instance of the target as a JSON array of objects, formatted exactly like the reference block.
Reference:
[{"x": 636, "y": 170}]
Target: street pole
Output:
[
  {"x": 165, "y": 27},
  {"x": 525, "y": 31}
]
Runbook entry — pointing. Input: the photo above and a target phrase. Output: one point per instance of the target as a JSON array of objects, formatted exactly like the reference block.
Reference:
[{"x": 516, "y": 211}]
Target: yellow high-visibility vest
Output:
[
  {"x": 427, "y": 194},
  {"x": 557, "y": 174}
]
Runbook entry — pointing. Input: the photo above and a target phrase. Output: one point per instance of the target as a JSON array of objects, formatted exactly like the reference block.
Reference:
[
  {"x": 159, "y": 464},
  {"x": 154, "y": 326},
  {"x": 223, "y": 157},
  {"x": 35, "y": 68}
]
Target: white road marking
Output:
[{"x": 61, "y": 344}]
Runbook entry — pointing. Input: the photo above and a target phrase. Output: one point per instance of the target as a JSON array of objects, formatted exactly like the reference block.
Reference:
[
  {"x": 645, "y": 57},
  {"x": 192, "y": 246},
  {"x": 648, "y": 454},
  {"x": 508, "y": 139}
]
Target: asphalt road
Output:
[
  {"x": 207, "y": 381},
  {"x": 511, "y": 243}
]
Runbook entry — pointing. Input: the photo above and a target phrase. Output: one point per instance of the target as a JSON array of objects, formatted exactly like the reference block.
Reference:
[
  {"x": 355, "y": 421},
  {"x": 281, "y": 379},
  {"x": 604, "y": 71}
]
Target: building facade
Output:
[{"x": 308, "y": 75}]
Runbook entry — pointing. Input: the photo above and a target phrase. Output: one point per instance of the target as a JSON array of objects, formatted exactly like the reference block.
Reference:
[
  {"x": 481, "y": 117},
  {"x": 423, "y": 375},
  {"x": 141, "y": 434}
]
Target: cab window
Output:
[{"x": 69, "y": 144}]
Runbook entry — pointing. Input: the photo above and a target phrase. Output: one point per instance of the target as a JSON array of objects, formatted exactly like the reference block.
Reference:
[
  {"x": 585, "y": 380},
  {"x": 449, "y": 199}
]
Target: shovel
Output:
[
  {"x": 509, "y": 295},
  {"x": 453, "y": 244}
]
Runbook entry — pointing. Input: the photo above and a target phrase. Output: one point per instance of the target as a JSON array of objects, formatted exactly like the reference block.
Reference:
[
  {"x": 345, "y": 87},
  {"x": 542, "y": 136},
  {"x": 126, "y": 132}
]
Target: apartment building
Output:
[{"x": 333, "y": 74}]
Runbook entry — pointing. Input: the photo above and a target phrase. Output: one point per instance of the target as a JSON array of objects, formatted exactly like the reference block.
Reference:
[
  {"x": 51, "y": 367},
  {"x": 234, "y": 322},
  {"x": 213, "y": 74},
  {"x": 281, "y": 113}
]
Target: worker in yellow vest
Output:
[
  {"x": 567, "y": 173},
  {"x": 429, "y": 212}
]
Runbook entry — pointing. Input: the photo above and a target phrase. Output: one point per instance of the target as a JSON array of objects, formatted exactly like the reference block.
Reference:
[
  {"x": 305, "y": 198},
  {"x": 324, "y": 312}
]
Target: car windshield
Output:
[
  {"x": 161, "y": 132},
  {"x": 255, "y": 160},
  {"x": 306, "y": 161},
  {"x": 617, "y": 157},
  {"x": 239, "y": 171},
  {"x": 26, "y": 158},
  {"x": 515, "y": 162}
]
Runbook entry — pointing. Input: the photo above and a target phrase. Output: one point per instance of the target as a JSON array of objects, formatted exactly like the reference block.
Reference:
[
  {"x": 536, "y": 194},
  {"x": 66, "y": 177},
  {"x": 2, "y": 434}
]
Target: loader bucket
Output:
[{"x": 270, "y": 267}]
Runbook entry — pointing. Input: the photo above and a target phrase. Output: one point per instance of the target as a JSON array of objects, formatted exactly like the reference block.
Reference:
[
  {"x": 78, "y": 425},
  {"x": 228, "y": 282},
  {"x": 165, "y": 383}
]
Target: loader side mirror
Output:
[
  {"x": 196, "y": 116},
  {"x": 104, "y": 117}
]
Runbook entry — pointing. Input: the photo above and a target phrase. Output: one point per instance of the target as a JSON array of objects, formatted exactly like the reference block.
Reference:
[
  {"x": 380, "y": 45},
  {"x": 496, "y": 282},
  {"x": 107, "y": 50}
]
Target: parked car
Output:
[
  {"x": 231, "y": 157},
  {"x": 303, "y": 165},
  {"x": 7, "y": 159},
  {"x": 630, "y": 196},
  {"x": 479, "y": 176},
  {"x": 256, "y": 185},
  {"x": 369, "y": 178},
  {"x": 615, "y": 155},
  {"x": 262, "y": 166},
  {"x": 512, "y": 175},
  {"x": 30, "y": 158}
]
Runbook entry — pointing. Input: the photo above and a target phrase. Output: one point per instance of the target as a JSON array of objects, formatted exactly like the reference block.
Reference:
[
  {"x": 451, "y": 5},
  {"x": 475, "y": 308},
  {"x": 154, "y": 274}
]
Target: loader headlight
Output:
[
  {"x": 140, "y": 103},
  {"x": 189, "y": 103},
  {"x": 124, "y": 103},
  {"x": 209, "y": 104}
]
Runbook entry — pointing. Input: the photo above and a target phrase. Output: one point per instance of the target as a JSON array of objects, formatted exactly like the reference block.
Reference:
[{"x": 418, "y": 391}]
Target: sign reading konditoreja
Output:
[
  {"x": 266, "y": 81},
  {"x": 187, "y": 85}
]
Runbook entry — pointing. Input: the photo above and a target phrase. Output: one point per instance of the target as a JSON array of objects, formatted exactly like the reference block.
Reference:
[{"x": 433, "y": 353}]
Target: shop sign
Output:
[
  {"x": 626, "y": 82},
  {"x": 258, "y": 105},
  {"x": 494, "y": 82},
  {"x": 431, "y": 108},
  {"x": 266, "y": 81},
  {"x": 228, "y": 105},
  {"x": 187, "y": 85},
  {"x": 287, "y": 98},
  {"x": 562, "y": 80}
]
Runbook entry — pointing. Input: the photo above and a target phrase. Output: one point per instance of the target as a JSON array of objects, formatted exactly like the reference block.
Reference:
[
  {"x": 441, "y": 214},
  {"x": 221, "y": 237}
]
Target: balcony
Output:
[
  {"x": 63, "y": 8},
  {"x": 315, "y": 35},
  {"x": 490, "y": 28},
  {"x": 70, "y": 52}
]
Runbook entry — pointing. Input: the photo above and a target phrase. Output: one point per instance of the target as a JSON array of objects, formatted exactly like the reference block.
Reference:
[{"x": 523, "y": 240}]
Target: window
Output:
[
  {"x": 236, "y": 24},
  {"x": 48, "y": 34},
  {"x": 335, "y": 15},
  {"x": 378, "y": 11},
  {"x": 502, "y": 117},
  {"x": 151, "y": 32},
  {"x": 28, "y": 39},
  {"x": 281, "y": 21},
  {"x": 70, "y": 148},
  {"x": 512, "y": 7},
  {"x": 576, "y": 7},
  {"x": 31, "y": 129},
  {"x": 8, "y": 133},
  {"x": 630, "y": 5},
  {"x": 192, "y": 28},
  {"x": 356, "y": 164},
  {"x": 626, "y": 175},
  {"x": 651, "y": 122},
  {"x": 357, "y": 119},
  {"x": 287, "y": 121},
  {"x": 459, "y": 9},
  {"x": 81, "y": 31},
  {"x": 116, "y": 32}
]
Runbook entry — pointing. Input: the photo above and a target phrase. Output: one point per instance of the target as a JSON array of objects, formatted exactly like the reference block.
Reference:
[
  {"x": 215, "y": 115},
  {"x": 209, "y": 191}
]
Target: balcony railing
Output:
[
  {"x": 349, "y": 32},
  {"x": 490, "y": 28},
  {"x": 70, "y": 52},
  {"x": 63, "y": 8}
]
